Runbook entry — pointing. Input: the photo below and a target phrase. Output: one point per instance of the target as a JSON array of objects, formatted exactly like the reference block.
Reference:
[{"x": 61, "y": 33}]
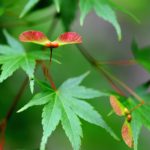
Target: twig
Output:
[
  {"x": 118, "y": 62},
  {"x": 94, "y": 63},
  {"x": 109, "y": 76}
]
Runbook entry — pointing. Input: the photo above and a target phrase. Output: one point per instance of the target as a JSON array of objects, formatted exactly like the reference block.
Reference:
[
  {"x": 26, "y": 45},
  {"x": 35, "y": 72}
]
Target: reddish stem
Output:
[
  {"x": 48, "y": 75},
  {"x": 118, "y": 62}
]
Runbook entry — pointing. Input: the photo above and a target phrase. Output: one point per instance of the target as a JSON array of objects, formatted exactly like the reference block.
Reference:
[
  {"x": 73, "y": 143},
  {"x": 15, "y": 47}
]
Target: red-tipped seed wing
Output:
[
  {"x": 34, "y": 37},
  {"x": 69, "y": 38}
]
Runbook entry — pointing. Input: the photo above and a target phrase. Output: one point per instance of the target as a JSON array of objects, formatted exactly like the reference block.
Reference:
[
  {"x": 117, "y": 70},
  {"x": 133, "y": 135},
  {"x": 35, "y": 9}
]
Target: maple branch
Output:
[
  {"x": 94, "y": 63},
  {"x": 111, "y": 78},
  {"x": 118, "y": 62},
  {"x": 48, "y": 75}
]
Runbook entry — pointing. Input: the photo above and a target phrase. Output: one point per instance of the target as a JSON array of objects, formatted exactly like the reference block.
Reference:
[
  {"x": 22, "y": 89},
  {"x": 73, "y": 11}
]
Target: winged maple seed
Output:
[{"x": 40, "y": 38}]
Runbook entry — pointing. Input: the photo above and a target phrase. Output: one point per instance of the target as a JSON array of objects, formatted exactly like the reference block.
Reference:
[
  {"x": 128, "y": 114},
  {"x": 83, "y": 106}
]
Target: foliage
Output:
[{"x": 68, "y": 104}]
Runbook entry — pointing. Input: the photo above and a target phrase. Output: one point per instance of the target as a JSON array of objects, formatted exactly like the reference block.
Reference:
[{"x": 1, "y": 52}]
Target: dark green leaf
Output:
[{"x": 68, "y": 14}]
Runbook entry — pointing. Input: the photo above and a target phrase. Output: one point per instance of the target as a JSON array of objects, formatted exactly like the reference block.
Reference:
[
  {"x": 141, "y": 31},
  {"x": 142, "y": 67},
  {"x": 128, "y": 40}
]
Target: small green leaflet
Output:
[
  {"x": 14, "y": 56},
  {"x": 28, "y": 7},
  {"x": 57, "y": 4},
  {"x": 66, "y": 105},
  {"x": 103, "y": 9}
]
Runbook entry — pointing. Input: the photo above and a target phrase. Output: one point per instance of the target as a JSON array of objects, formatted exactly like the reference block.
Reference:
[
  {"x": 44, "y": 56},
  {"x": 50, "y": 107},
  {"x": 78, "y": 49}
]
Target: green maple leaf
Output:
[
  {"x": 66, "y": 105},
  {"x": 105, "y": 10},
  {"x": 14, "y": 56}
]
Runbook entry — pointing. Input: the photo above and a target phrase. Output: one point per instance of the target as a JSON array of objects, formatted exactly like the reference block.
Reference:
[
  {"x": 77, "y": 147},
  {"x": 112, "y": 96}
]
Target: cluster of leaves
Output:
[
  {"x": 66, "y": 105},
  {"x": 103, "y": 8},
  {"x": 14, "y": 56}
]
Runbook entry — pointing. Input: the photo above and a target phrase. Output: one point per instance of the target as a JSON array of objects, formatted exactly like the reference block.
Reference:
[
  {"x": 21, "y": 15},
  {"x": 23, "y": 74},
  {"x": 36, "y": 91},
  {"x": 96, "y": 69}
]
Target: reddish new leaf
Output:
[
  {"x": 127, "y": 134},
  {"x": 34, "y": 37},
  {"x": 116, "y": 105},
  {"x": 69, "y": 38}
]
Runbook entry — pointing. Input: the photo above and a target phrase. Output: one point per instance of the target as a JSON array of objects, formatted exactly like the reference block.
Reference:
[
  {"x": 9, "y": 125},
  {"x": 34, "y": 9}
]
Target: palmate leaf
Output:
[
  {"x": 14, "y": 56},
  {"x": 66, "y": 105},
  {"x": 105, "y": 10}
]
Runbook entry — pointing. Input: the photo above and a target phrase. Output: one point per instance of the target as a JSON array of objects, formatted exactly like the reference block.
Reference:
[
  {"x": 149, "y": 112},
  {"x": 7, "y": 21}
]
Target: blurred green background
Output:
[{"x": 24, "y": 130}]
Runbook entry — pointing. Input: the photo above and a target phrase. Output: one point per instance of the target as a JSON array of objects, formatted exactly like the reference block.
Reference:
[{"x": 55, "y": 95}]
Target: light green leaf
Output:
[
  {"x": 71, "y": 125},
  {"x": 57, "y": 4},
  {"x": 14, "y": 44},
  {"x": 28, "y": 65},
  {"x": 103, "y": 8},
  {"x": 87, "y": 112},
  {"x": 136, "y": 126},
  {"x": 38, "y": 99},
  {"x": 72, "y": 82},
  {"x": 85, "y": 8},
  {"x": 4, "y": 49},
  {"x": 9, "y": 67},
  {"x": 65, "y": 107},
  {"x": 50, "y": 118},
  {"x": 85, "y": 93},
  {"x": 28, "y": 7}
]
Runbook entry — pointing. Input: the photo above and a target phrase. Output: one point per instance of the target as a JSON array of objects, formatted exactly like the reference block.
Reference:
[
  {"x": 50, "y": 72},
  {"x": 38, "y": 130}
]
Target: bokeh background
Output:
[{"x": 24, "y": 130}]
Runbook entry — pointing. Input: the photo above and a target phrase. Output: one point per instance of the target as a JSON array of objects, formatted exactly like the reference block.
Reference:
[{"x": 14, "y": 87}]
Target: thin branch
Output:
[
  {"x": 108, "y": 75},
  {"x": 94, "y": 63},
  {"x": 118, "y": 62}
]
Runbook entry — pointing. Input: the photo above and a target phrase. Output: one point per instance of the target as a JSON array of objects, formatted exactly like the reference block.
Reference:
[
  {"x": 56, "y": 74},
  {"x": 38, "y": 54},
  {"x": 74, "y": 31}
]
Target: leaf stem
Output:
[{"x": 48, "y": 75}]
